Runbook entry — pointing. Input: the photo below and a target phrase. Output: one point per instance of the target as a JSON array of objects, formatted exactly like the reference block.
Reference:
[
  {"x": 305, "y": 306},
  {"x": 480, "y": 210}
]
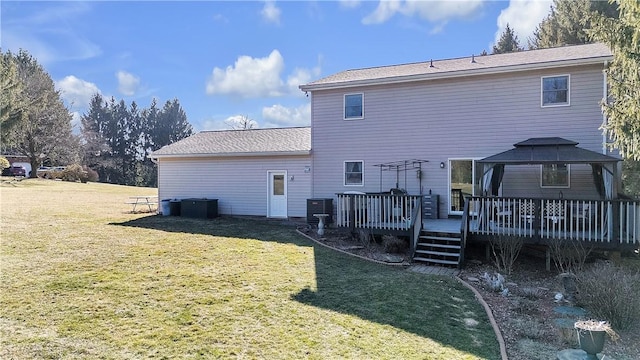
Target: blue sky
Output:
[{"x": 227, "y": 59}]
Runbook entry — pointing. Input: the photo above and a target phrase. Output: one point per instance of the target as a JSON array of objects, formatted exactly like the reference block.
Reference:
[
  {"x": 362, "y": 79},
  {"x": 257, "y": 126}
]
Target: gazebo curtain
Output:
[
  {"x": 603, "y": 179},
  {"x": 492, "y": 179}
]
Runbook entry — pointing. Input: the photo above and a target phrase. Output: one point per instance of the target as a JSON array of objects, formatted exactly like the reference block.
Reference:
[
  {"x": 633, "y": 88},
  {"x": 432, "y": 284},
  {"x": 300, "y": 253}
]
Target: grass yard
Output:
[{"x": 81, "y": 277}]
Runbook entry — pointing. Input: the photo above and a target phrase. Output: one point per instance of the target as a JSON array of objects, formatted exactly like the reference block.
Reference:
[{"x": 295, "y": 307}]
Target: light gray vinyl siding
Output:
[
  {"x": 469, "y": 117},
  {"x": 239, "y": 183}
]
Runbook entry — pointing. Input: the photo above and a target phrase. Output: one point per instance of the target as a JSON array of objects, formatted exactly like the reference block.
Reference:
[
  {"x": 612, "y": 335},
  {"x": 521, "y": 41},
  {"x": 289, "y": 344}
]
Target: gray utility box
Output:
[
  {"x": 430, "y": 206},
  {"x": 319, "y": 206},
  {"x": 199, "y": 208}
]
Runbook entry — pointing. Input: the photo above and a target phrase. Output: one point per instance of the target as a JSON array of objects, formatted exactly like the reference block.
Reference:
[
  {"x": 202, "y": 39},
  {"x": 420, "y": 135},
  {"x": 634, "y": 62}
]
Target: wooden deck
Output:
[{"x": 451, "y": 225}]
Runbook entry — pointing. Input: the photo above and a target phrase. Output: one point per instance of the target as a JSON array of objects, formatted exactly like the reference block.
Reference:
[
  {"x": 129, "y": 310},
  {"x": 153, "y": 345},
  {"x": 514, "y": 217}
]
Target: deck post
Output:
[
  {"x": 615, "y": 233},
  {"x": 537, "y": 218},
  {"x": 547, "y": 257},
  {"x": 352, "y": 213}
]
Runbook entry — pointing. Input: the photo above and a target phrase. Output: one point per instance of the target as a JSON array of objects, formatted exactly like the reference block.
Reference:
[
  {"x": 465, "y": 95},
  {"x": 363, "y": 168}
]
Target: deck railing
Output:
[
  {"x": 376, "y": 211},
  {"x": 600, "y": 221}
]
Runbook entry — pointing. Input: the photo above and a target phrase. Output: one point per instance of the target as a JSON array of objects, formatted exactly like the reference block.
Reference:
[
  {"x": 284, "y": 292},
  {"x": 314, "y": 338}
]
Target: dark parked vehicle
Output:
[{"x": 18, "y": 171}]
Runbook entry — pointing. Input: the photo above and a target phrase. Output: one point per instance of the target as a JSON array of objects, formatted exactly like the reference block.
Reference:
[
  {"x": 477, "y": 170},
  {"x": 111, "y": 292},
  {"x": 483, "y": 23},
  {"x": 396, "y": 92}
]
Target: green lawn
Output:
[{"x": 81, "y": 277}]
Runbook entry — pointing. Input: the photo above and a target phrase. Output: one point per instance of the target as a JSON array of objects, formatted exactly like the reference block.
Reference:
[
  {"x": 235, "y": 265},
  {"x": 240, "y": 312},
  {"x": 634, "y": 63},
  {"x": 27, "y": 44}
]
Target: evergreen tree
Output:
[
  {"x": 623, "y": 77},
  {"x": 118, "y": 139},
  {"x": 10, "y": 91},
  {"x": 508, "y": 42},
  {"x": 568, "y": 23},
  {"x": 43, "y": 128}
]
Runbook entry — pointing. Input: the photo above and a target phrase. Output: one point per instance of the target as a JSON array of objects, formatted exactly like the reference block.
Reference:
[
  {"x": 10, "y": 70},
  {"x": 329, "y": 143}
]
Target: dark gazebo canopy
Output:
[{"x": 551, "y": 150}]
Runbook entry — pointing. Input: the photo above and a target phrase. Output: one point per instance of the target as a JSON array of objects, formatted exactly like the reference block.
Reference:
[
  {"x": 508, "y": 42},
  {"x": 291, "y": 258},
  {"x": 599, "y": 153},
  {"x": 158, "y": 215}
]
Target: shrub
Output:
[
  {"x": 4, "y": 163},
  {"x": 73, "y": 173},
  {"x": 91, "y": 175},
  {"x": 505, "y": 251},
  {"x": 569, "y": 256},
  {"x": 611, "y": 293},
  {"x": 393, "y": 244}
]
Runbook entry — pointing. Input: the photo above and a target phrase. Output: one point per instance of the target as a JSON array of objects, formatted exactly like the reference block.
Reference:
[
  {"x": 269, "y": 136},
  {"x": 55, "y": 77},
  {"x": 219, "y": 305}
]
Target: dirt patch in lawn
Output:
[{"x": 533, "y": 322}]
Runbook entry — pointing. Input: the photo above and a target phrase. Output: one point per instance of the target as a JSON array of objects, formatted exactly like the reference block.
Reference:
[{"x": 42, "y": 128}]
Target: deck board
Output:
[{"x": 442, "y": 225}]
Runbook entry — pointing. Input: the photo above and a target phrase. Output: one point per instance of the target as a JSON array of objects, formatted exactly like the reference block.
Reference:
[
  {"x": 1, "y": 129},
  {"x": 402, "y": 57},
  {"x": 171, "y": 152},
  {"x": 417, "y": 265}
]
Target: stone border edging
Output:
[
  {"x": 487, "y": 309},
  {"x": 492, "y": 320}
]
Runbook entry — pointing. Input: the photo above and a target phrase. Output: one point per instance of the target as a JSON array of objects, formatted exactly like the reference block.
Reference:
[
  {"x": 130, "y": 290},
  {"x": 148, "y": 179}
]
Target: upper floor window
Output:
[
  {"x": 555, "y": 176},
  {"x": 354, "y": 173},
  {"x": 353, "y": 106},
  {"x": 555, "y": 90}
]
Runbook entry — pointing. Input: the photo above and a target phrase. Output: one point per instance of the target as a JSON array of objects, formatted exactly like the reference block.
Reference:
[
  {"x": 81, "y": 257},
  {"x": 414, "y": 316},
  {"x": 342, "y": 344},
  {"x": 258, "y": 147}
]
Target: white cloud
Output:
[
  {"x": 523, "y": 16},
  {"x": 75, "y": 121},
  {"x": 432, "y": 11},
  {"x": 76, "y": 92},
  {"x": 349, "y": 4},
  {"x": 249, "y": 77},
  {"x": 281, "y": 116},
  {"x": 127, "y": 83},
  {"x": 299, "y": 77},
  {"x": 270, "y": 12}
]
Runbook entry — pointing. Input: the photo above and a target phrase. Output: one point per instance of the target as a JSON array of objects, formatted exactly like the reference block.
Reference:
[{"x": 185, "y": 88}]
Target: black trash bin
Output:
[
  {"x": 174, "y": 207},
  {"x": 199, "y": 208}
]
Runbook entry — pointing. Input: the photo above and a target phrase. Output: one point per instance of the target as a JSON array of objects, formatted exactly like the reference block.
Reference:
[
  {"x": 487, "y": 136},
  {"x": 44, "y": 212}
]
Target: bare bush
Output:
[
  {"x": 569, "y": 256},
  {"x": 505, "y": 251},
  {"x": 393, "y": 244},
  {"x": 365, "y": 237},
  {"x": 611, "y": 293}
]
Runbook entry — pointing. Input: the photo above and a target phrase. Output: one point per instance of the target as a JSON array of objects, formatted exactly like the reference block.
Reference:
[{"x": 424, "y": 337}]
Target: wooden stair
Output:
[{"x": 438, "y": 249}]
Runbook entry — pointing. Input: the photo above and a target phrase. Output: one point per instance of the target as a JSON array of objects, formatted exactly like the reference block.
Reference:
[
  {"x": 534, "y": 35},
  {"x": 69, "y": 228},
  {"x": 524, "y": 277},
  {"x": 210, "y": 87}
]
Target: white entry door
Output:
[{"x": 277, "y": 194}]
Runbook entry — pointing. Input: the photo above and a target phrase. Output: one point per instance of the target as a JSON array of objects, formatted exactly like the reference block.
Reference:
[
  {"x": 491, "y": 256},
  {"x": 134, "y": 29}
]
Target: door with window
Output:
[
  {"x": 464, "y": 180},
  {"x": 277, "y": 201}
]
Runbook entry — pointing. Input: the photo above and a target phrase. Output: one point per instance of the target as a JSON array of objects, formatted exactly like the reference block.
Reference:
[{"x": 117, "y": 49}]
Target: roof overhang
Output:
[
  {"x": 458, "y": 73},
  {"x": 234, "y": 154}
]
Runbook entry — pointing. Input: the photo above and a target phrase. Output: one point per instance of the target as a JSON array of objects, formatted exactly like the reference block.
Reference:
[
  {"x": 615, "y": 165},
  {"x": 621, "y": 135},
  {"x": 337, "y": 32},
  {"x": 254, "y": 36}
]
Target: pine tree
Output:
[
  {"x": 623, "y": 77},
  {"x": 43, "y": 128},
  {"x": 568, "y": 23},
  {"x": 508, "y": 42}
]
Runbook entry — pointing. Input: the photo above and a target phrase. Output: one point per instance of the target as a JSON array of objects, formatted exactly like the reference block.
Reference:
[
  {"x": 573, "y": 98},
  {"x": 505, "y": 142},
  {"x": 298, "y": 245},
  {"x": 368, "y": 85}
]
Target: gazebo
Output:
[{"x": 552, "y": 150}]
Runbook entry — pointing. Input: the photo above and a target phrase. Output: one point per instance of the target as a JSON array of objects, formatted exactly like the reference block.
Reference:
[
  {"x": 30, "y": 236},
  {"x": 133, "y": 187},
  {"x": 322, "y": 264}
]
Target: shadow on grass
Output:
[
  {"x": 282, "y": 231},
  {"x": 432, "y": 307}
]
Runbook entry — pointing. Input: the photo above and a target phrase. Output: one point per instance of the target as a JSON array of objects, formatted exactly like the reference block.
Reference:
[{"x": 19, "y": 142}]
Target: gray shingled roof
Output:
[
  {"x": 279, "y": 141},
  {"x": 551, "y": 150},
  {"x": 522, "y": 60}
]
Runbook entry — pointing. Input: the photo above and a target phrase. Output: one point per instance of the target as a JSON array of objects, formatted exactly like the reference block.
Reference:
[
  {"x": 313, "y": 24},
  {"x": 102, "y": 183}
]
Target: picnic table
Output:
[{"x": 150, "y": 201}]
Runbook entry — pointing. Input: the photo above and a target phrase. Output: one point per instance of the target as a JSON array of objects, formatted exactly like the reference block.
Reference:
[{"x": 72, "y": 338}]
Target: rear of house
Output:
[
  {"x": 258, "y": 172},
  {"x": 449, "y": 113}
]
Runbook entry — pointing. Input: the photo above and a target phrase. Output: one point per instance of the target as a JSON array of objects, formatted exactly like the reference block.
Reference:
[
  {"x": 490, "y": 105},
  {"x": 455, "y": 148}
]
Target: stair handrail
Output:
[
  {"x": 415, "y": 226},
  {"x": 464, "y": 229}
]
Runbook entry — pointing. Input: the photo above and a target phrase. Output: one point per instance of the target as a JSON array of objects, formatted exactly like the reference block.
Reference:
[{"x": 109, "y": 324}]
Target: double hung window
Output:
[
  {"x": 554, "y": 176},
  {"x": 555, "y": 91},
  {"x": 354, "y": 173},
  {"x": 353, "y": 106}
]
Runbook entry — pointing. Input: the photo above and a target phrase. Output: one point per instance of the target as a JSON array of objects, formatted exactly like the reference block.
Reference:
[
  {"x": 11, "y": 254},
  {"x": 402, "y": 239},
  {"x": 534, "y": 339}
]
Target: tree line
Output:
[
  {"x": 117, "y": 138},
  {"x": 114, "y": 140}
]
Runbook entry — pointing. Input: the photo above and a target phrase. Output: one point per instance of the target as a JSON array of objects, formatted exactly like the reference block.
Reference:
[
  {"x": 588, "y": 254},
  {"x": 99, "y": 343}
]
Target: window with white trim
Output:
[
  {"x": 554, "y": 175},
  {"x": 354, "y": 106},
  {"x": 354, "y": 173},
  {"x": 555, "y": 91}
]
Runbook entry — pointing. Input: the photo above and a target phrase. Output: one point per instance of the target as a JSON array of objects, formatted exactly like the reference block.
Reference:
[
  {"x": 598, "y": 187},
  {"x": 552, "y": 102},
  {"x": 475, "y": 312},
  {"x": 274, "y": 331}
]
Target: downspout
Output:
[{"x": 605, "y": 99}]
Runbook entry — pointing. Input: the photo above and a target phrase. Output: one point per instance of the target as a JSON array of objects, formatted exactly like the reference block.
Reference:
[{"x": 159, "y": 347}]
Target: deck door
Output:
[
  {"x": 277, "y": 199},
  {"x": 464, "y": 180}
]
